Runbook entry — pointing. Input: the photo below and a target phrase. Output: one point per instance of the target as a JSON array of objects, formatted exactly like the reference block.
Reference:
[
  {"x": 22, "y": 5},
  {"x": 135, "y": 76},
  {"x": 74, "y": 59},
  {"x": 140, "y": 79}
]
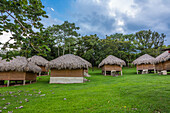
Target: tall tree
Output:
[{"x": 22, "y": 19}]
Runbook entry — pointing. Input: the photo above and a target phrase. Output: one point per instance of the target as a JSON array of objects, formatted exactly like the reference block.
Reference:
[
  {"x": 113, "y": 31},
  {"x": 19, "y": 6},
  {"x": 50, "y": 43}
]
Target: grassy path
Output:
[{"x": 130, "y": 93}]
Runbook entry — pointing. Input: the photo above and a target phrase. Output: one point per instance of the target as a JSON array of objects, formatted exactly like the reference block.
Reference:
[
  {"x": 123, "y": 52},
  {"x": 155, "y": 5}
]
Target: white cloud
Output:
[
  {"x": 52, "y": 9},
  {"x": 126, "y": 16}
]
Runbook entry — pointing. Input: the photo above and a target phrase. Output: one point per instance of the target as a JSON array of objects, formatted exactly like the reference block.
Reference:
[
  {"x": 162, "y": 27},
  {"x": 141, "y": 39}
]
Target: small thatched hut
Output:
[
  {"x": 67, "y": 69},
  {"x": 39, "y": 61},
  {"x": 111, "y": 63},
  {"x": 145, "y": 62},
  {"x": 163, "y": 61},
  {"x": 18, "y": 69}
]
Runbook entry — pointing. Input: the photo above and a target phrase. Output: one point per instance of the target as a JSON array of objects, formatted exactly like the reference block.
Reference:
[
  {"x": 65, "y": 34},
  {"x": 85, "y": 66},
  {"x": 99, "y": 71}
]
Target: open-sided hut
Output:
[
  {"x": 111, "y": 63},
  {"x": 67, "y": 69},
  {"x": 145, "y": 62},
  {"x": 163, "y": 61},
  {"x": 18, "y": 69},
  {"x": 39, "y": 61}
]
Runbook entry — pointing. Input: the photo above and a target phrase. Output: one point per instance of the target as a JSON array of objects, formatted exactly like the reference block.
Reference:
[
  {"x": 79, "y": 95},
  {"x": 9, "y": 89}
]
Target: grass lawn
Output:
[{"x": 148, "y": 93}]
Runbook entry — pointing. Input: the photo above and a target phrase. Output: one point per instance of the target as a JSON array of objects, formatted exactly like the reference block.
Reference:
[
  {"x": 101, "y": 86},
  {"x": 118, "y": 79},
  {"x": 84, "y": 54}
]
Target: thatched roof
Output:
[
  {"x": 144, "y": 59},
  {"x": 19, "y": 64},
  {"x": 163, "y": 57},
  {"x": 38, "y": 60},
  {"x": 111, "y": 60},
  {"x": 68, "y": 61}
]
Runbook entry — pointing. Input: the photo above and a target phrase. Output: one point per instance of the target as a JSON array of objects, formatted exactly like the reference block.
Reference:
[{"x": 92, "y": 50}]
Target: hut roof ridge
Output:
[
  {"x": 112, "y": 60},
  {"x": 68, "y": 61},
  {"x": 144, "y": 59}
]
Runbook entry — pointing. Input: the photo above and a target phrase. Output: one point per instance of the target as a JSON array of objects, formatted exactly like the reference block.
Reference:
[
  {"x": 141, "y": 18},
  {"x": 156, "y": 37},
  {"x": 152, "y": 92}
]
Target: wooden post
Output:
[
  {"x": 48, "y": 73},
  {"x": 8, "y": 83},
  {"x": 121, "y": 71},
  {"x": 137, "y": 71},
  {"x": 30, "y": 81},
  {"x": 39, "y": 73},
  {"x": 154, "y": 69},
  {"x": 104, "y": 72},
  {"x": 23, "y": 82}
]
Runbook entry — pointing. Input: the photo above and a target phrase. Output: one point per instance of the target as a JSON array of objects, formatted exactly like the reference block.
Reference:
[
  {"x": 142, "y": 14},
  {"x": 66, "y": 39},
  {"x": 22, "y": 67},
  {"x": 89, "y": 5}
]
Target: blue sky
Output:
[{"x": 105, "y": 17}]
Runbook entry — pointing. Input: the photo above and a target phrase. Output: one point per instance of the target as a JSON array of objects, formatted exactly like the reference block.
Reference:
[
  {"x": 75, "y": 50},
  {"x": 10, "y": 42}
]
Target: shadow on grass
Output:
[{"x": 95, "y": 73}]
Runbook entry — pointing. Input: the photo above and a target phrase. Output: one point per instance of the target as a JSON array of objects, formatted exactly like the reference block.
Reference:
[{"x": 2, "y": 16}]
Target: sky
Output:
[{"x": 106, "y": 17}]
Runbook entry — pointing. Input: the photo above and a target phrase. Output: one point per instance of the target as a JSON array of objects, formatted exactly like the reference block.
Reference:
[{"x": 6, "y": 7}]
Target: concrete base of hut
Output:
[{"x": 66, "y": 80}]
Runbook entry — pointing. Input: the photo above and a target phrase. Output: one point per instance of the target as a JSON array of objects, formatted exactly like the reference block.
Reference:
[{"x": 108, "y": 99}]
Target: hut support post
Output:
[
  {"x": 23, "y": 82},
  {"x": 121, "y": 71},
  {"x": 48, "y": 73},
  {"x": 8, "y": 83},
  {"x": 39, "y": 73},
  {"x": 104, "y": 72},
  {"x": 154, "y": 69},
  {"x": 30, "y": 81},
  {"x": 137, "y": 71}
]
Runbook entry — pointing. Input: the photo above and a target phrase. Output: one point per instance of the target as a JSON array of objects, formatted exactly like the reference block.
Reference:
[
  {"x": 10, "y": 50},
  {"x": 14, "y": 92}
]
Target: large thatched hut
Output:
[
  {"x": 163, "y": 61},
  {"x": 39, "y": 61},
  {"x": 145, "y": 62},
  {"x": 18, "y": 69},
  {"x": 67, "y": 69},
  {"x": 111, "y": 63}
]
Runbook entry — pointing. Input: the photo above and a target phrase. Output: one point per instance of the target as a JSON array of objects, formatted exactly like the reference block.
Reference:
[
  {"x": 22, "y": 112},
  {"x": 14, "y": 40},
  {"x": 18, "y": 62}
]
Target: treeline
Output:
[{"x": 65, "y": 39}]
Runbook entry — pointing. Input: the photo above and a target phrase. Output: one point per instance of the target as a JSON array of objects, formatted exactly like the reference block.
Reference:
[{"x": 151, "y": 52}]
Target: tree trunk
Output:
[
  {"x": 63, "y": 49},
  {"x": 58, "y": 51},
  {"x": 69, "y": 49}
]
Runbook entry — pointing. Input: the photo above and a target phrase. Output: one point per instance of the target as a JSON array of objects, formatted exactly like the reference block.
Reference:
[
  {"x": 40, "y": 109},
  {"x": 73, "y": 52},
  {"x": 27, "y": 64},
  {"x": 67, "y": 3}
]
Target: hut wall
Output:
[
  {"x": 43, "y": 69},
  {"x": 12, "y": 75},
  {"x": 67, "y": 73},
  {"x": 159, "y": 66},
  {"x": 111, "y": 67},
  {"x": 145, "y": 66},
  {"x": 4, "y": 75},
  {"x": 30, "y": 76},
  {"x": 166, "y": 65}
]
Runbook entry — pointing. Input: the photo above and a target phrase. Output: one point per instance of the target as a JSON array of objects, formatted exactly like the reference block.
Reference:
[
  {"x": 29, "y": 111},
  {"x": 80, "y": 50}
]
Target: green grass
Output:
[{"x": 128, "y": 93}]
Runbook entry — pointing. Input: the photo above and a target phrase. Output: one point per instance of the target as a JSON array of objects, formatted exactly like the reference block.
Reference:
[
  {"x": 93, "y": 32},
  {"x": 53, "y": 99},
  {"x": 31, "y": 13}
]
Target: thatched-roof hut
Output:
[
  {"x": 40, "y": 61},
  {"x": 67, "y": 69},
  {"x": 111, "y": 63},
  {"x": 163, "y": 61},
  {"x": 145, "y": 62},
  {"x": 18, "y": 69}
]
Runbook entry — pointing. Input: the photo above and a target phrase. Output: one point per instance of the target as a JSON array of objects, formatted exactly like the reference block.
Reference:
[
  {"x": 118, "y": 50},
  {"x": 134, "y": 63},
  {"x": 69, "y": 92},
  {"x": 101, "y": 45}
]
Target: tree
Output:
[
  {"x": 147, "y": 39},
  {"x": 61, "y": 39},
  {"x": 22, "y": 19}
]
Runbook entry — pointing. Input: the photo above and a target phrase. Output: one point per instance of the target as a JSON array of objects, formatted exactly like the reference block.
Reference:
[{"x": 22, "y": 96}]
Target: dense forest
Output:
[{"x": 23, "y": 20}]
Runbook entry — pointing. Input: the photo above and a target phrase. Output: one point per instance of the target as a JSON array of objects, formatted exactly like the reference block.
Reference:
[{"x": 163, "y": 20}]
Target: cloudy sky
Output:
[{"x": 105, "y": 17}]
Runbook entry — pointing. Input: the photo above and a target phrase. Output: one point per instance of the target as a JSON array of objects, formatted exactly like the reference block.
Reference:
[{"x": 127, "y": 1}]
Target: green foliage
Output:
[{"x": 22, "y": 19}]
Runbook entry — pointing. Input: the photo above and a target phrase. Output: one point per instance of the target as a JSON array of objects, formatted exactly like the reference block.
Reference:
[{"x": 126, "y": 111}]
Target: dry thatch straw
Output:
[
  {"x": 68, "y": 61},
  {"x": 111, "y": 60},
  {"x": 19, "y": 64},
  {"x": 144, "y": 59},
  {"x": 165, "y": 56},
  {"x": 38, "y": 60}
]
